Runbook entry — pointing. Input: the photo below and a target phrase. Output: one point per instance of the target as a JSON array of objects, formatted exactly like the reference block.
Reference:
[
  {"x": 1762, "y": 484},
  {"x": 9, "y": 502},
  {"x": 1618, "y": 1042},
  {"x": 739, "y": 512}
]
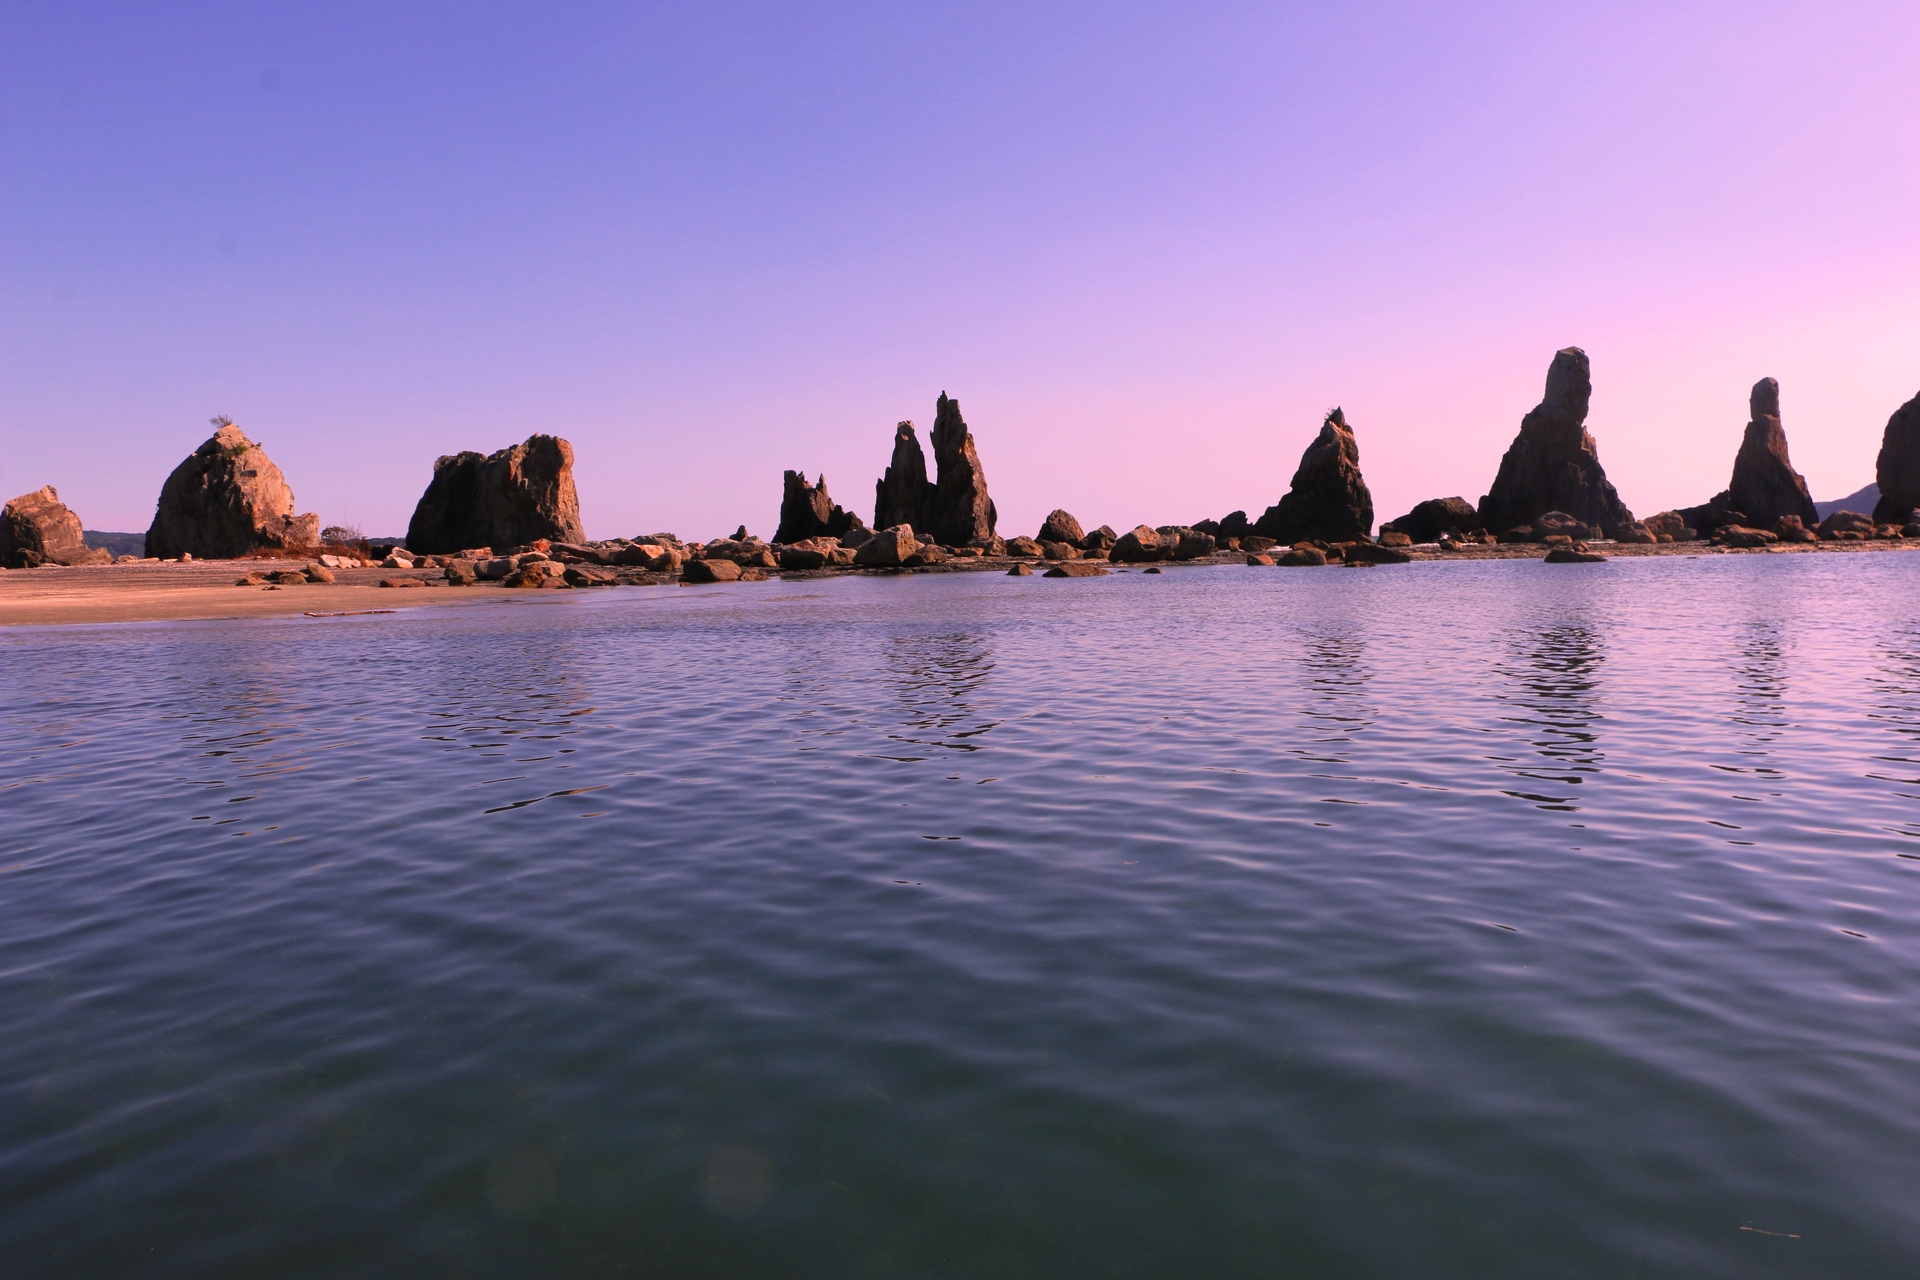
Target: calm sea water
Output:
[{"x": 1458, "y": 920}]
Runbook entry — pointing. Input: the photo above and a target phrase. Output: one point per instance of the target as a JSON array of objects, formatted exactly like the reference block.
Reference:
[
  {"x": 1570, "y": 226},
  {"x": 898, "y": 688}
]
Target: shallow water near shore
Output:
[{"x": 1454, "y": 920}]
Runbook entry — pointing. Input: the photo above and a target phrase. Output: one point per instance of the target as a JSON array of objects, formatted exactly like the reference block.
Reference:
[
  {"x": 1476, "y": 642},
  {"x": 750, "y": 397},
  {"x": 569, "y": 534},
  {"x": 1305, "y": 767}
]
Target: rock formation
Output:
[
  {"x": 959, "y": 510},
  {"x": 227, "y": 499},
  {"x": 1898, "y": 470},
  {"x": 1060, "y": 526},
  {"x": 901, "y": 493},
  {"x": 954, "y": 510},
  {"x": 1552, "y": 465},
  {"x": 1765, "y": 486},
  {"x": 1329, "y": 499},
  {"x": 807, "y": 512},
  {"x": 37, "y": 528},
  {"x": 503, "y": 499},
  {"x": 1427, "y": 521}
]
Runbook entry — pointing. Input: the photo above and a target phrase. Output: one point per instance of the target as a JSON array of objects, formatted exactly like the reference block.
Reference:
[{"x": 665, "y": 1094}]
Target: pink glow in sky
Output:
[{"x": 1145, "y": 246}]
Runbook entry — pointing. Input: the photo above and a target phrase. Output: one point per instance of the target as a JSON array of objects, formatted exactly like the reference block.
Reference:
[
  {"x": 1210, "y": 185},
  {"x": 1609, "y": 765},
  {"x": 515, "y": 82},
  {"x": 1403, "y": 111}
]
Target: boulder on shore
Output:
[
  {"x": 1060, "y": 526},
  {"x": 1897, "y": 471},
  {"x": 509, "y": 498},
  {"x": 807, "y": 512},
  {"x": 1328, "y": 498},
  {"x": 1672, "y": 526},
  {"x": 887, "y": 547},
  {"x": 37, "y": 528},
  {"x": 1427, "y": 521},
  {"x": 1553, "y": 464},
  {"x": 1140, "y": 546},
  {"x": 227, "y": 500}
]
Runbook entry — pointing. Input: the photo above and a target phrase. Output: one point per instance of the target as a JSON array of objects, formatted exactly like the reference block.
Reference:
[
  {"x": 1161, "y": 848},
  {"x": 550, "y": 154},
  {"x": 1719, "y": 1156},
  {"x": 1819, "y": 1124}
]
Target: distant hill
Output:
[
  {"x": 1862, "y": 500},
  {"x": 121, "y": 544}
]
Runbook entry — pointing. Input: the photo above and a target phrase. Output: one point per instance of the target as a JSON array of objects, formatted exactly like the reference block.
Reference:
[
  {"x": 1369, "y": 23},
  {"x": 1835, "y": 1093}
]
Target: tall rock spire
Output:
[
  {"x": 1765, "y": 486},
  {"x": 959, "y": 509},
  {"x": 1898, "y": 468},
  {"x": 1553, "y": 464},
  {"x": 900, "y": 494},
  {"x": 1329, "y": 498}
]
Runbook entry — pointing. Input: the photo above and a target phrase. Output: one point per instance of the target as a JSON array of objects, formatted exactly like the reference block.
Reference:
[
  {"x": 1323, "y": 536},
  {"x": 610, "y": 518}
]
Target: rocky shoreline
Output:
[{"x": 512, "y": 517}]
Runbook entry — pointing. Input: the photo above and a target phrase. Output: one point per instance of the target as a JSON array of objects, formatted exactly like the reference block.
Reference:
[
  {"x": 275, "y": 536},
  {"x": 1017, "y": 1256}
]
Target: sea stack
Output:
[
  {"x": 955, "y": 508},
  {"x": 37, "y": 528},
  {"x": 1898, "y": 470},
  {"x": 807, "y": 512},
  {"x": 1329, "y": 498},
  {"x": 1765, "y": 486},
  {"x": 503, "y": 499},
  {"x": 1552, "y": 465},
  {"x": 899, "y": 495},
  {"x": 226, "y": 500},
  {"x": 960, "y": 510}
]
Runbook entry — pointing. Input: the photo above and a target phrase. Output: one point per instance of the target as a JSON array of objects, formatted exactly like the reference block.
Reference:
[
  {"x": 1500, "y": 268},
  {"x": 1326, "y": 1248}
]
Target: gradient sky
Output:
[{"x": 1146, "y": 246}]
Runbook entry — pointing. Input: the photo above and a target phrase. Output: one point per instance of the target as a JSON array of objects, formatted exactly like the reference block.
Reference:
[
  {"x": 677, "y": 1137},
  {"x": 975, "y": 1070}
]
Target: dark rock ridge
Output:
[
  {"x": 1427, "y": 521},
  {"x": 226, "y": 500},
  {"x": 807, "y": 512},
  {"x": 1329, "y": 499},
  {"x": 953, "y": 510},
  {"x": 503, "y": 499},
  {"x": 37, "y": 528},
  {"x": 1553, "y": 465},
  {"x": 1898, "y": 470}
]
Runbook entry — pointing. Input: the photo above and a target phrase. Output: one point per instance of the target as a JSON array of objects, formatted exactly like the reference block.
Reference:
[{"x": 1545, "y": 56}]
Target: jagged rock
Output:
[
  {"x": 1328, "y": 498},
  {"x": 1846, "y": 524},
  {"x": 1141, "y": 546},
  {"x": 807, "y": 512},
  {"x": 1101, "y": 539},
  {"x": 710, "y": 571},
  {"x": 887, "y": 547},
  {"x": 1233, "y": 525},
  {"x": 37, "y": 528},
  {"x": 1550, "y": 524},
  {"x": 900, "y": 496},
  {"x": 802, "y": 558},
  {"x": 1374, "y": 553},
  {"x": 1553, "y": 465},
  {"x": 1765, "y": 486},
  {"x": 1794, "y": 529},
  {"x": 959, "y": 509},
  {"x": 1061, "y": 527},
  {"x": 1427, "y": 521},
  {"x": 227, "y": 500},
  {"x": 1190, "y": 544},
  {"x": 953, "y": 510},
  {"x": 515, "y": 496},
  {"x": 1671, "y": 524},
  {"x": 1897, "y": 471}
]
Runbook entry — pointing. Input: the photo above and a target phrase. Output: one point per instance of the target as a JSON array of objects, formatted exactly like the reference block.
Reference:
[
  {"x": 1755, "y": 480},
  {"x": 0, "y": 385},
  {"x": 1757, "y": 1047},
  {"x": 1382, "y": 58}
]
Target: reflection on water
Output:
[
  {"x": 1554, "y": 687},
  {"x": 1150, "y": 926}
]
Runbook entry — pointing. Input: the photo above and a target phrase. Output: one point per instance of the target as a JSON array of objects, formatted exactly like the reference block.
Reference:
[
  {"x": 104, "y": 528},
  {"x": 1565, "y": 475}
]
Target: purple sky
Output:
[{"x": 1145, "y": 246}]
